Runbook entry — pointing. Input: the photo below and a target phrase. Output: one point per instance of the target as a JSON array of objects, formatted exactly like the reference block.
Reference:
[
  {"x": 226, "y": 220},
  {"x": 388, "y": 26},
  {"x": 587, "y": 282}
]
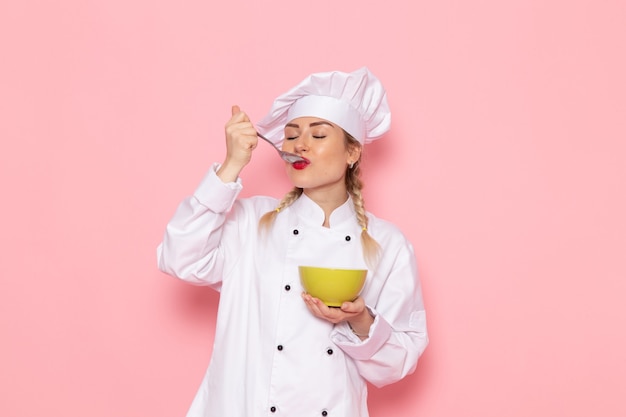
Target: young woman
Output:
[{"x": 278, "y": 351}]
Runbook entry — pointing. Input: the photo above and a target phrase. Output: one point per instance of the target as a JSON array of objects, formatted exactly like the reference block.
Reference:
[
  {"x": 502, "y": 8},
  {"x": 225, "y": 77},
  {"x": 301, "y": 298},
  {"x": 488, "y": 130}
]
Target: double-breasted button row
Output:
[
  {"x": 329, "y": 351},
  {"x": 324, "y": 413},
  {"x": 296, "y": 232}
]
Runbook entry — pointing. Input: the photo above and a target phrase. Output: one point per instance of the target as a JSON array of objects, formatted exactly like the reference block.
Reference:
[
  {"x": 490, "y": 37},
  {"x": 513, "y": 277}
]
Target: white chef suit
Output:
[{"x": 271, "y": 356}]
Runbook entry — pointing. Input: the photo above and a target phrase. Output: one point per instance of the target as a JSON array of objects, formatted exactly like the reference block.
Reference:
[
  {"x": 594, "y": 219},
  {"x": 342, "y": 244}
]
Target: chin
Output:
[
  {"x": 298, "y": 179},
  {"x": 301, "y": 184}
]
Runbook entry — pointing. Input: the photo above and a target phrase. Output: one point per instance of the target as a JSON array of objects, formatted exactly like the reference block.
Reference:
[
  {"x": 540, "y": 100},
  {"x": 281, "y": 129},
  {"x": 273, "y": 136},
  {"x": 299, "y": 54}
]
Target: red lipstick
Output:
[{"x": 299, "y": 165}]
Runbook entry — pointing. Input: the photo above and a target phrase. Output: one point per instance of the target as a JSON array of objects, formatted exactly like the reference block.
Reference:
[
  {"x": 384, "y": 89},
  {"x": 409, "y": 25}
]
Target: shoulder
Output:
[
  {"x": 397, "y": 251},
  {"x": 257, "y": 205},
  {"x": 386, "y": 232}
]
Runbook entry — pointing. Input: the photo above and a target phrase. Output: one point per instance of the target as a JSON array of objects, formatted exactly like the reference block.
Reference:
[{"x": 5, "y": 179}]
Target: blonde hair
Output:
[{"x": 354, "y": 185}]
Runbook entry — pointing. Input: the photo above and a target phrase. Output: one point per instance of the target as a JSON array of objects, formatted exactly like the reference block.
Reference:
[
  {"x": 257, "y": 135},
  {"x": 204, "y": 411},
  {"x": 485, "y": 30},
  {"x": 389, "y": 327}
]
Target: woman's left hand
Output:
[{"x": 354, "y": 312}]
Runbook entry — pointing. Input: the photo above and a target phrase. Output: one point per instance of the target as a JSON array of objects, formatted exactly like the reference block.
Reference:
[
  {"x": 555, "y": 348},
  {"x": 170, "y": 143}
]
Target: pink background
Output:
[{"x": 504, "y": 166}]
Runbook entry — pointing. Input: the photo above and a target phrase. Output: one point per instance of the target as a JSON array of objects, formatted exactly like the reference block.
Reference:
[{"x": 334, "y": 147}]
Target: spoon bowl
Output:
[{"x": 287, "y": 156}]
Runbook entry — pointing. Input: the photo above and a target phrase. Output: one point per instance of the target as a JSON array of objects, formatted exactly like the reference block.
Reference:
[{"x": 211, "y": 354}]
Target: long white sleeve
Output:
[
  {"x": 191, "y": 248},
  {"x": 398, "y": 335}
]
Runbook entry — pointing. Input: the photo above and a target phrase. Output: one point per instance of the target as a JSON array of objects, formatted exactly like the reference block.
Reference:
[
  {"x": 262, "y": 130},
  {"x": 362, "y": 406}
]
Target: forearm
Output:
[
  {"x": 229, "y": 171},
  {"x": 190, "y": 247},
  {"x": 388, "y": 354},
  {"x": 360, "y": 325},
  {"x": 190, "y": 242}
]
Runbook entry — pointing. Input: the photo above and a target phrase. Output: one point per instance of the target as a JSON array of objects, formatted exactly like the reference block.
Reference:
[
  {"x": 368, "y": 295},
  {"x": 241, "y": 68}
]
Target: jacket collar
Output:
[{"x": 310, "y": 212}]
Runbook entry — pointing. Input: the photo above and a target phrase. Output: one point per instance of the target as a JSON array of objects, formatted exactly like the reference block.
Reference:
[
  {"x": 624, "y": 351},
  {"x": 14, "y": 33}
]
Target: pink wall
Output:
[{"x": 505, "y": 167}]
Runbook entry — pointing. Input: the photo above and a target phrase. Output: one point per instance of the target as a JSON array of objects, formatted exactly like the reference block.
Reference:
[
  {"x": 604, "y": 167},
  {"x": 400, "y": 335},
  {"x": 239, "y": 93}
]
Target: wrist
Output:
[
  {"x": 228, "y": 172},
  {"x": 360, "y": 325}
]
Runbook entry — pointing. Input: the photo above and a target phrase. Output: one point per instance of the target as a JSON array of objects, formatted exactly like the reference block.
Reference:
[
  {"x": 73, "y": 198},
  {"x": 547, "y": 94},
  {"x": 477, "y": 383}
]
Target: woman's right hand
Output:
[{"x": 241, "y": 140}]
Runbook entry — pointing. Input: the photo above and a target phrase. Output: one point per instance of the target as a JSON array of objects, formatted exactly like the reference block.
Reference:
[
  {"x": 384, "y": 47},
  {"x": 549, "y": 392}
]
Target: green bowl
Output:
[{"x": 332, "y": 285}]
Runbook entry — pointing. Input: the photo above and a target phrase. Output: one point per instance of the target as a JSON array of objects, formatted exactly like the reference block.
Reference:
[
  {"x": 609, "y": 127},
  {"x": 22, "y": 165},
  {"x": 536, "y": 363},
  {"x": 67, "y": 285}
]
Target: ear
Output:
[{"x": 354, "y": 153}]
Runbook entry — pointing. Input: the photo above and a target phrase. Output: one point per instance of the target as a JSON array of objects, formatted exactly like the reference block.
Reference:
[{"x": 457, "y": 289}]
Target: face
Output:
[{"x": 324, "y": 145}]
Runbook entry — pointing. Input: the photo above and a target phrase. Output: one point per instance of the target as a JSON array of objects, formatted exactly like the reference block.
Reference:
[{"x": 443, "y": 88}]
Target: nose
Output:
[{"x": 301, "y": 144}]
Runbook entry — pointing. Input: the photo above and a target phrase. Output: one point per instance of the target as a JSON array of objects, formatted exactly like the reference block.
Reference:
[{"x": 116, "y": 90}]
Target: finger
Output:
[
  {"x": 238, "y": 115},
  {"x": 356, "y": 306},
  {"x": 311, "y": 301},
  {"x": 308, "y": 300},
  {"x": 313, "y": 304},
  {"x": 349, "y": 307}
]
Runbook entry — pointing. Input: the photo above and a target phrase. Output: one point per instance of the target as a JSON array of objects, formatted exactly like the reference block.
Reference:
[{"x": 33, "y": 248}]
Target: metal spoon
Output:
[{"x": 287, "y": 156}]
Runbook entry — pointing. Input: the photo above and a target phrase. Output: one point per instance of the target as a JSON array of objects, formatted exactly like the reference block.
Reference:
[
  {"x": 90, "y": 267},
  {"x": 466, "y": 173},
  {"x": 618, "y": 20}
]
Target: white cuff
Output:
[
  {"x": 358, "y": 349},
  {"x": 215, "y": 194}
]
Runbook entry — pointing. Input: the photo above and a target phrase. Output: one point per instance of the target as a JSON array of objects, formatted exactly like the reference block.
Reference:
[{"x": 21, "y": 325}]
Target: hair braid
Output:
[
  {"x": 371, "y": 248},
  {"x": 266, "y": 221}
]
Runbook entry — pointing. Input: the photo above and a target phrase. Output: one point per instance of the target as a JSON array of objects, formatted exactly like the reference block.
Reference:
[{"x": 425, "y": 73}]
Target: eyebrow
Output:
[{"x": 311, "y": 125}]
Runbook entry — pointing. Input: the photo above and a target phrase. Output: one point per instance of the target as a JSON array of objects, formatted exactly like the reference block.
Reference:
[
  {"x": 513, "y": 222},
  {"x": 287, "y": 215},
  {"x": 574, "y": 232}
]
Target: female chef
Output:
[{"x": 277, "y": 350}]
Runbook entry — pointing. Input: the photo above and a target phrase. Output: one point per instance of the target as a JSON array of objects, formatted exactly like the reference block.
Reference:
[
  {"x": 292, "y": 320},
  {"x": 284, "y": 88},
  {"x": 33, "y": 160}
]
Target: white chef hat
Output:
[{"x": 356, "y": 101}]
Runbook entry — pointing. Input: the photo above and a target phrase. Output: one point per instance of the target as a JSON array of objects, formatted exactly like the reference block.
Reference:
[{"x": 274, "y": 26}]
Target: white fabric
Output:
[
  {"x": 331, "y": 109},
  {"x": 355, "y": 101},
  {"x": 213, "y": 240}
]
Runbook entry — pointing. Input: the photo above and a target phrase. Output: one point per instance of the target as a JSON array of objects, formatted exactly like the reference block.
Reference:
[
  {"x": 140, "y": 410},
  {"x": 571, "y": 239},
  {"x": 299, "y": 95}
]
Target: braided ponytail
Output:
[
  {"x": 354, "y": 185},
  {"x": 267, "y": 220}
]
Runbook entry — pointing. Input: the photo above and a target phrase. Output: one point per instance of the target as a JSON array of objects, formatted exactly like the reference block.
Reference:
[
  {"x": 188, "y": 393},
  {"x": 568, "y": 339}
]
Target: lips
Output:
[{"x": 300, "y": 165}]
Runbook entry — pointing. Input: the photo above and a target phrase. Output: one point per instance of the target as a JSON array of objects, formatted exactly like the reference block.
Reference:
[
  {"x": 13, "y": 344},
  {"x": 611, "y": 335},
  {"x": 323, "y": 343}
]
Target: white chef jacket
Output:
[{"x": 271, "y": 356}]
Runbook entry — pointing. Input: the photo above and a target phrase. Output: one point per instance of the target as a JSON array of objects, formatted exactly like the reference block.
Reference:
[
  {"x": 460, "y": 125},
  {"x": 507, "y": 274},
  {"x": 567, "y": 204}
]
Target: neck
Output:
[{"x": 328, "y": 200}]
